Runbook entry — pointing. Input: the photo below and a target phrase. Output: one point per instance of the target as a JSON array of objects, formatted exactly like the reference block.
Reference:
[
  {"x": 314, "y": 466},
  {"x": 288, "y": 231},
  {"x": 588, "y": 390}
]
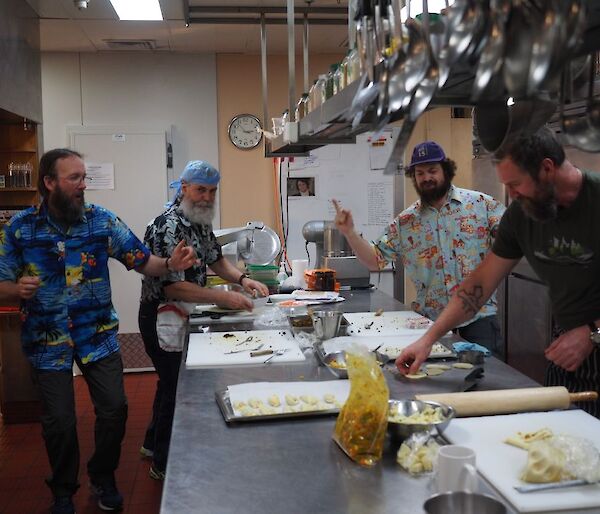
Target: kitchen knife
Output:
[
  {"x": 532, "y": 488},
  {"x": 251, "y": 350}
]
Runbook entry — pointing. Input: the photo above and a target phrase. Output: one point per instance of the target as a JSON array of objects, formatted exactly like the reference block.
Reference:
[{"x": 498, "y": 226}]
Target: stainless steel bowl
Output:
[
  {"x": 409, "y": 407},
  {"x": 336, "y": 363}
]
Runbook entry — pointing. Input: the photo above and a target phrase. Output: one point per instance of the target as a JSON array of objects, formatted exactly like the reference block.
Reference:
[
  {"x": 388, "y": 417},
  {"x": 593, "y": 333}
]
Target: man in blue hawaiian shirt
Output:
[
  {"x": 440, "y": 238},
  {"x": 189, "y": 218},
  {"x": 54, "y": 259}
]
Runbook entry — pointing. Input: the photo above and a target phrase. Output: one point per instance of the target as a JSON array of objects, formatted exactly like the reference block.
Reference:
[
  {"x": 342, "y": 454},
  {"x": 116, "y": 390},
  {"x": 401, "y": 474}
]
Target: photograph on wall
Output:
[{"x": 300, "y": 186}]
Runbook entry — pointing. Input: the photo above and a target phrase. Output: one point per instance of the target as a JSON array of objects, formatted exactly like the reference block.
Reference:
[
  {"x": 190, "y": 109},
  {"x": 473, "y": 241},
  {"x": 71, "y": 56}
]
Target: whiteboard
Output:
[{"x": 352, "y": 174}]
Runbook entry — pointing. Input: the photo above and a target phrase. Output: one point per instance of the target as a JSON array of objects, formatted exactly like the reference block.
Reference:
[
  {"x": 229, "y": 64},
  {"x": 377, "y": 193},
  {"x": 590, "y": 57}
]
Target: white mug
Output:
[{"x": 456, "y": 469}]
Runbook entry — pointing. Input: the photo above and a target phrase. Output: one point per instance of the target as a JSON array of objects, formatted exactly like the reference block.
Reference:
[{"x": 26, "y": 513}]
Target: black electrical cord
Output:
[{"x": 307, "y": 252}]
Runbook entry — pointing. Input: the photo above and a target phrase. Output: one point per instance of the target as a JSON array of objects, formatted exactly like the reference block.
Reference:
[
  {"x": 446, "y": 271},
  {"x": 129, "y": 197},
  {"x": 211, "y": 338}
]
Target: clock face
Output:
[{"x": 243, "y": 131}]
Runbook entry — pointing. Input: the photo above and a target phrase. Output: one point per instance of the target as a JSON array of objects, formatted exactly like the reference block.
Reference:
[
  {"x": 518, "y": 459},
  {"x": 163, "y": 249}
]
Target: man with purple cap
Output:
[
  {"x": 188, "y": 218},
  {"x": 440, "y": 239}
]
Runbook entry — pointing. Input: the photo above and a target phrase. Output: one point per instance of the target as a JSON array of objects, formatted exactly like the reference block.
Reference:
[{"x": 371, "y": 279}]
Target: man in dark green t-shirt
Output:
[{"x": 554, "y": 221}]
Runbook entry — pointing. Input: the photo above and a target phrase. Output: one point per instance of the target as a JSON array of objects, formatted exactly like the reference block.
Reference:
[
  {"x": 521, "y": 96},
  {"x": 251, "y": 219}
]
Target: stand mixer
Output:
[{"x": 334, "y": 252}]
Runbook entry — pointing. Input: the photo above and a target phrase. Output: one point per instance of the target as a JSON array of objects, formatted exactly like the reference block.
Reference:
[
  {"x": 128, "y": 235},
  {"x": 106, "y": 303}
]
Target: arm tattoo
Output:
[{"x": 472, "y": 300}]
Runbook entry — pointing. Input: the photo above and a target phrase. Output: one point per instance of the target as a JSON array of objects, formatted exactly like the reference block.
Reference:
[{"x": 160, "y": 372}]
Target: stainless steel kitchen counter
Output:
[{"x": 291, "y": 465}]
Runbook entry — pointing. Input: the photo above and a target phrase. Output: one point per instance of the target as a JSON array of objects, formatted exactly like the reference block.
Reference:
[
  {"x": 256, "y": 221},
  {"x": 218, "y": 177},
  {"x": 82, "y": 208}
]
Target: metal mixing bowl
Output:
[
  {"x": 409, "y": 407},
  {"x": 336, "y": 363}
]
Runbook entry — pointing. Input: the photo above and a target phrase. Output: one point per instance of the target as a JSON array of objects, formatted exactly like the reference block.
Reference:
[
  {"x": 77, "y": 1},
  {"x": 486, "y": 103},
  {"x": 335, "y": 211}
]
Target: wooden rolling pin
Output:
[{"x": 506, "y": 401}]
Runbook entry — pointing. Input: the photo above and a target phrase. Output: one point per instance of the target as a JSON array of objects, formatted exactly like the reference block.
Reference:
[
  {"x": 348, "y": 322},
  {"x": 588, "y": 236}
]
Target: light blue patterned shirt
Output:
[{"x": 439, "y": 248}]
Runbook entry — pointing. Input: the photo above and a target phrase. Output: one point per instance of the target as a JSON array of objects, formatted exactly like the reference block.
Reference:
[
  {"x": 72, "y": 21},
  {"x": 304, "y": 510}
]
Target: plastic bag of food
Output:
[
  {"x": 418, "y": 453},
  {"x": 362, "y": 422},
  {"x": 562, "y": 457}
]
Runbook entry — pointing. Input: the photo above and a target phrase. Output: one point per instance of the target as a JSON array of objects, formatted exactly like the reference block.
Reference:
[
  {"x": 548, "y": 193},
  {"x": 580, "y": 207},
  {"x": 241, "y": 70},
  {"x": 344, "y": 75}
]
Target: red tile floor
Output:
[{"x": 24, "y": 465}]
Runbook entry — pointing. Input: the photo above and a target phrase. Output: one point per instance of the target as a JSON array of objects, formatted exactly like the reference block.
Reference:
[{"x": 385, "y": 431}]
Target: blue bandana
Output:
[{"x": 195, "y": 172}]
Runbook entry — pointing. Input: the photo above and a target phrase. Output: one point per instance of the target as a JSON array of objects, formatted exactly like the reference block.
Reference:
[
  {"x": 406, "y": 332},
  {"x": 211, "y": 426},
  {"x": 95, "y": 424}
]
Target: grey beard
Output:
[{"x": 198, "y": 214}]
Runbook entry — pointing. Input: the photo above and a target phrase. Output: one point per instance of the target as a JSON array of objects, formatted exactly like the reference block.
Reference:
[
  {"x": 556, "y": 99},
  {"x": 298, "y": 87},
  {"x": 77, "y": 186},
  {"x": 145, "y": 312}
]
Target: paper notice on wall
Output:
[
  {"x": 379, "y": 203},
  {"x": 100, "y": 175}
]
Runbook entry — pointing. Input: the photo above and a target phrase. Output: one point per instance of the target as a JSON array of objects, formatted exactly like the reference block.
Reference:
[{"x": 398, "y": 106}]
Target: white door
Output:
[{"x": 140, "y": 193}]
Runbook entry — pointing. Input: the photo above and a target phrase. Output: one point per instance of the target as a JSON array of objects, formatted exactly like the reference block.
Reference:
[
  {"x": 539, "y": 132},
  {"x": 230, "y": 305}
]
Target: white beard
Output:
[{"x": 199, "y": 213}]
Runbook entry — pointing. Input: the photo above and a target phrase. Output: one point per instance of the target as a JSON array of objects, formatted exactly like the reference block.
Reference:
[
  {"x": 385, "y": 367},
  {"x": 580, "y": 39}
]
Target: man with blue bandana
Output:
[
  {"x": 54, "y": 259},
  {"x": 189, "y": 218}
]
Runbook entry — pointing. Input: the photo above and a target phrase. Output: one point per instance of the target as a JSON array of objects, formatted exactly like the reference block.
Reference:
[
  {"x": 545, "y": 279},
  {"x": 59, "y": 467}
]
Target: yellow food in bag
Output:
[{"x": 361, "y": 425}]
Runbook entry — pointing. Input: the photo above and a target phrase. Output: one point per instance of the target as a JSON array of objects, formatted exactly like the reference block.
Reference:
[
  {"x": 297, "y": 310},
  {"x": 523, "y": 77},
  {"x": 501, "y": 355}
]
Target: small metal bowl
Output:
[
  {"x": 409, "y": 407},
  {"x": 302, "y": 322},
  {"x": 336, "y": 363}
]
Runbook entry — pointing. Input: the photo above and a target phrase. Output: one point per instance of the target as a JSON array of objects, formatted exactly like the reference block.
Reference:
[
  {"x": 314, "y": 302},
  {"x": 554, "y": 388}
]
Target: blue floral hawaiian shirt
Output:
[
  {"x": 439, "y": 248},
  {"x": 72, "y": 311}
]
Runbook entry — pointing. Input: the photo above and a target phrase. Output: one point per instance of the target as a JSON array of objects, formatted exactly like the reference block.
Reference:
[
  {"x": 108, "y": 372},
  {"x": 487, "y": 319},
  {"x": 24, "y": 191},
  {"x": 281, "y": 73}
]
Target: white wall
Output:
[{"x": 176, "y": 91}]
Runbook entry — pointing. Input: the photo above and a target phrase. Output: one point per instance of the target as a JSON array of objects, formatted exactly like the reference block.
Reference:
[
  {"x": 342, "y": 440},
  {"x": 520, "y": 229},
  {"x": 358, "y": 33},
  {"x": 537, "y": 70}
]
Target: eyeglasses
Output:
[{"x": 75, "y": 179}]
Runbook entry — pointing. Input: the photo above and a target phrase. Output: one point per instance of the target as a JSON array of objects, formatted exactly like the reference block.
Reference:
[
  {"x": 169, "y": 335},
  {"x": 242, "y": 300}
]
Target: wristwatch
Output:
[{"x": 594, "y": 333}]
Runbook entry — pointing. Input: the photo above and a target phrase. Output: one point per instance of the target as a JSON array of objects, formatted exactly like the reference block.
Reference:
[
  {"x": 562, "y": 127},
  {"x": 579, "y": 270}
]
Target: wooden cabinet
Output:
[
  {"x": 18, "y": 145},
  {"x": 19, "y": 399}
]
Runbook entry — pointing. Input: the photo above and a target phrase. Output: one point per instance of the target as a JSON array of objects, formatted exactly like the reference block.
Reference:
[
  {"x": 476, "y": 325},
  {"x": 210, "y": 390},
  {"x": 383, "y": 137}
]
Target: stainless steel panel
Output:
[{"x": 529, "y": 328}]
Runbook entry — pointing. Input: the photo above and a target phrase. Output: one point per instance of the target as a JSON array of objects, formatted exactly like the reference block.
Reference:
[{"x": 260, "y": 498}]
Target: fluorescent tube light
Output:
[{"x": 137, "y": 9}]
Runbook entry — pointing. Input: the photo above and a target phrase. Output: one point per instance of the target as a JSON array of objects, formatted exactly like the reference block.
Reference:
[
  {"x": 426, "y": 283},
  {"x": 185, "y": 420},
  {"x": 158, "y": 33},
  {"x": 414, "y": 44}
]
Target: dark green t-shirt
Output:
[{"x": 564, "y": 252}]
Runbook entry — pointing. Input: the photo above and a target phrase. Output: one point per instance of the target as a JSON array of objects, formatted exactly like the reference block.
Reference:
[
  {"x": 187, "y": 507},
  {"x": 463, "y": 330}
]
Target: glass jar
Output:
[
  {"x": 329, "y": 82},
  {"x": 344, "y": 72},
  {"x": 311, "y": 97},
  {"x": 353, "y": 70},
  {"x": 338, "y": 81},
  {"x": 319, "y": 92},
  {"x": 302, "y": 107}
]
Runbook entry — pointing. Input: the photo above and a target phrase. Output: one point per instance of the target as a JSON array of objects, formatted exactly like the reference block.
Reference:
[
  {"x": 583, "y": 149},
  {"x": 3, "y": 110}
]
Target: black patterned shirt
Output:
[{"x": 163, "y": 234}]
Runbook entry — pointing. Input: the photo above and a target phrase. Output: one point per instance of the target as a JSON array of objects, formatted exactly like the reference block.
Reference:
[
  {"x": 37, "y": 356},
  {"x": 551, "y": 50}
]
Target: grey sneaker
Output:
[
  {"x": 108, "y": 495},
  {"x": 156, "y": 473},
  {"x": 146, "y": 453}
]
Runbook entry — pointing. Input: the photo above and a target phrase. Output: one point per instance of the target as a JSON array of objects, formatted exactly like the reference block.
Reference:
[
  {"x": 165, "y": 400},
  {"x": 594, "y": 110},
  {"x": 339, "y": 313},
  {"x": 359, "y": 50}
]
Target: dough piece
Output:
[
  {"x": 434, "y": 372},
  {"x": 416, "y": 376},
  {"x": 524, "y": 439},
  {"x": 239, "y": 405},
  {"x": 255, "y": 403},
  {"x": 309, "y": 399},
  {"x": 266, "y": 410},
  {"x": 247, "y": 411},
  {"x": 462, "y": 365},
  {"x": 329, "y": 398},
  {"x": 274, "y": 401},
  {"x": 545, "y": 463},
  {"x": 291, "y": 400},
  {"x": 443, "y": 367}
]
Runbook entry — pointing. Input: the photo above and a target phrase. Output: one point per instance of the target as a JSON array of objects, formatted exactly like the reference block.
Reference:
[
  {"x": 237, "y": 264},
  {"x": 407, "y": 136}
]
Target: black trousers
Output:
[
  {"x": 158, "y": 433},
  {"x": 59, "y": 427}
]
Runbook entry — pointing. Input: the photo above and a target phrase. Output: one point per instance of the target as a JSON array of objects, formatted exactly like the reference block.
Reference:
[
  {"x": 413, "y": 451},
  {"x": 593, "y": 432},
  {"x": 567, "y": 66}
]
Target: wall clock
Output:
[{"x": 243, "y": 131}]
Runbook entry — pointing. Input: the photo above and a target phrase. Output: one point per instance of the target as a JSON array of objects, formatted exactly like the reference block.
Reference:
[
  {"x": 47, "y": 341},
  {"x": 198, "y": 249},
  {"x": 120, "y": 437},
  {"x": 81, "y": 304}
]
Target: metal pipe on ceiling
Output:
[
  {"x": 219, "y": 9},
  {"x": 305, "y": 52},
  {"x": 268, "y": 21},
  {"x": 291, "y": 59}
]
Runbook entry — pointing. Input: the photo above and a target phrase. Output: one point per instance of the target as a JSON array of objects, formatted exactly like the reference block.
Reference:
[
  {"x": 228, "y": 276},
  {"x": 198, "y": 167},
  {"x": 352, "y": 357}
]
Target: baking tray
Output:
[{"x": 229, "y": 416}]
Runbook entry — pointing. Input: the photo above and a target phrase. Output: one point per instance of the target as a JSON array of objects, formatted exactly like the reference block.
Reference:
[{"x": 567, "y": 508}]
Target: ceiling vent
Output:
[{"x": 131, "y": 44}]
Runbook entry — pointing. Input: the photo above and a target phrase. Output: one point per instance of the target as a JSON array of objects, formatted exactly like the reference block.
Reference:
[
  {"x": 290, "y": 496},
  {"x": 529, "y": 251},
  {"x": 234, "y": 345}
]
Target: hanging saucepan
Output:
[{"x": 496, "y": 123}]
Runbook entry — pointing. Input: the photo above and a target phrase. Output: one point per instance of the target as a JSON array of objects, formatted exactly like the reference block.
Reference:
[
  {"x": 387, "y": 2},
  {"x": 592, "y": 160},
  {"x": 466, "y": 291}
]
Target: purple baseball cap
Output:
[{"x": 428, "y": 151}]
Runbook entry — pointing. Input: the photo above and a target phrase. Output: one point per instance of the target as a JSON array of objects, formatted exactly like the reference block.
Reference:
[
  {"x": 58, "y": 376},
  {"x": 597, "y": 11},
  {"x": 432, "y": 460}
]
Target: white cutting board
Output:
[
  {"x": 389, "y": 323},
  {"x": 208, "y": 350},
  {"x": 392, "y": 346},
  {"x": 501, "y": 464}
]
